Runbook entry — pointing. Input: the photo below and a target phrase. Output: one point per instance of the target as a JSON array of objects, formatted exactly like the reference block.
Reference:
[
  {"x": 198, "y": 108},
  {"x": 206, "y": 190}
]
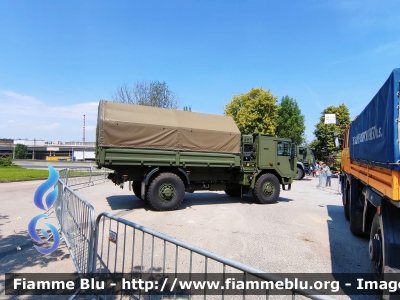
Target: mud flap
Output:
[{"x": 289, "y": 187}]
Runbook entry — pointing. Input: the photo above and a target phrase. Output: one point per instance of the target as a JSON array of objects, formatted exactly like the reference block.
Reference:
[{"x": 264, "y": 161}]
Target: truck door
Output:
[{"x": 285, "y": 159}]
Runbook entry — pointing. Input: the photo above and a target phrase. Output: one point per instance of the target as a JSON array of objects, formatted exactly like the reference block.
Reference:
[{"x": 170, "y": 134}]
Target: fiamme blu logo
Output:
[{"x": 38, "y": 200}]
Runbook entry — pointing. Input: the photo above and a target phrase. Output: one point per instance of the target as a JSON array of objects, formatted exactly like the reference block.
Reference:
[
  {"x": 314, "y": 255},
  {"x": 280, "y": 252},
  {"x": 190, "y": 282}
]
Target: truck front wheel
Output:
[
  {"x": 299, "y": 174},
  {"x": 266, "y": 189},
  {"x": 166, "y": 192}
]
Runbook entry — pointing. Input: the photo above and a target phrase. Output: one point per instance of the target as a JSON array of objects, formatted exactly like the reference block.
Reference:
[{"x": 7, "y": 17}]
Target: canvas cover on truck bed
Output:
[
  {"x": 374, "y": 134},
  {"x": 137, "y": 126}
]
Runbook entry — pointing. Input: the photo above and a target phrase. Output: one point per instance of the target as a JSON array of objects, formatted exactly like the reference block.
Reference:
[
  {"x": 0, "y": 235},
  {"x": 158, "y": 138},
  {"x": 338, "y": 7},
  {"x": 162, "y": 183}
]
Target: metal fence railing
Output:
[
  {"x": 76, "y": 219},
  {"x": 63, "y": 175},
  {"x": 124, "y": 247},
  {"x": 111, "y": 246},
  {"x": 78, "y": 224},
  {"x": 333, "y": 188},
  {"x": 82, "y": 175},
  {"x": 57, "y": 205}
]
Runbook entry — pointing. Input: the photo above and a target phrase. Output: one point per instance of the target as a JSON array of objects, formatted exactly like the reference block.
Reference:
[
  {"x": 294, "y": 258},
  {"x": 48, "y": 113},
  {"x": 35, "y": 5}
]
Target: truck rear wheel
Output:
[
  {"x": 166, "y": 192},
  {"x": 299, "y": 174},
  {"x": 234, "y": 191},
  {"x": 137, "y": 189},
  {"x": 266, "y": 189},
  {"x": 376, "y": 242}
]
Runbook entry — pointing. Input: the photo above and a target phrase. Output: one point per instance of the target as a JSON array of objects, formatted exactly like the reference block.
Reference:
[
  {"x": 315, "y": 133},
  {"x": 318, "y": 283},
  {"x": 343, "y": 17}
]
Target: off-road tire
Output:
[
  {"x": 166, "y": 192},
  {"x": 235, "y": 191},
  {"x": 137, "y": 189},
  {"x": 266, "y": 189},
  {"x": 299, "y": 174}
]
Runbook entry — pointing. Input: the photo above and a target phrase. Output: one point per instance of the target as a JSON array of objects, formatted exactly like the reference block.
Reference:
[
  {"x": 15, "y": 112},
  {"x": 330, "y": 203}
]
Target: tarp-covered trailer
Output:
[{"x": 371, "y": 176}]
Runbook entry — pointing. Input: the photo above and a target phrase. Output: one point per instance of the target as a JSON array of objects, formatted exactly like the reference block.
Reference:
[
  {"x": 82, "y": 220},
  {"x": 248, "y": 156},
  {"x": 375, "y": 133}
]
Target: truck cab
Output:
[
  {"x": 305, "y": 160},
  {"x": 269, "y": 154}
]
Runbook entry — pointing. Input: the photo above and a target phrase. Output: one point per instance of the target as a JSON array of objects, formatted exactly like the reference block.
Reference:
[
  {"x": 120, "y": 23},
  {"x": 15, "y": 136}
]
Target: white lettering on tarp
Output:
[{"x": 368, "y": 135}]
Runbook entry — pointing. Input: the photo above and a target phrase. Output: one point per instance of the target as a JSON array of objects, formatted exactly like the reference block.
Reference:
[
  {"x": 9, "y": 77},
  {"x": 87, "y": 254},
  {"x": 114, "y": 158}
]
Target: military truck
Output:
[
  {"x": 370, "y": 178},
  {"x": 166, "y": 152},
  {"x": 305, "y": 161}
]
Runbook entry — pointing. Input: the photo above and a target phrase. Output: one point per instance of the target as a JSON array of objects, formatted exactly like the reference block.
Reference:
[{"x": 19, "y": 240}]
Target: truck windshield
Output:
[
  {"x": 312, "y": 155},
  {"x": 284, "y": 148}
]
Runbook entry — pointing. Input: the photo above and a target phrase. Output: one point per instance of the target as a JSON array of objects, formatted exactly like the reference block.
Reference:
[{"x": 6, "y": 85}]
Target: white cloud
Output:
[
  {"x": 49, "y": 127},
  {"x": 90, "y": 128},
  {"x": 29, "y": 106},
  {"x": 75, "y": 112},
  {"x": 10, "y": 121},
  {"x": 376, "y": 50},
  {"x": 316, "y": 97},
  {"x": 385, "y": 47},
  {"x": 13, "y": 95}
]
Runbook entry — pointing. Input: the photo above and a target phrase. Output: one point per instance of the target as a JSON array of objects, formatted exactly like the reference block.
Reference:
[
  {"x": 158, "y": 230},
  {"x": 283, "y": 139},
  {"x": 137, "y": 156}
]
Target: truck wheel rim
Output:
[
  {"x": 375, "y": 251},
  {"x": 268, "y": 189},
  {"x": 166, "y": 192}
]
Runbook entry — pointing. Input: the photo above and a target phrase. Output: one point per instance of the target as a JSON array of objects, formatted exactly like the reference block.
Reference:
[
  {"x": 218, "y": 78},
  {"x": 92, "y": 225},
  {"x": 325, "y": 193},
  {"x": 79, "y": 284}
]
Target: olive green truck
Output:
[
  {"x": 305, "y": 162},
  {"x": 164, "y": 153}
]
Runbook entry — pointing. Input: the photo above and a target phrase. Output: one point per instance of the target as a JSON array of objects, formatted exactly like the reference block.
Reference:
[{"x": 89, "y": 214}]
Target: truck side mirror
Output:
[
  {"x": 293, "y": 151},
  {"x": 336, "y": 139}
]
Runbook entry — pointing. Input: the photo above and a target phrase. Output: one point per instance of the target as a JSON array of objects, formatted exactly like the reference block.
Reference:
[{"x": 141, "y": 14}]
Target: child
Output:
[{"x": 328, "y": 174}]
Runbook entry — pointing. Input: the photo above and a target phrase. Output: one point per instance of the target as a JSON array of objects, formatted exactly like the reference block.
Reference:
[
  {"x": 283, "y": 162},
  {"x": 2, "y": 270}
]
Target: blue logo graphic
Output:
[{"x": 38, "y": 200}]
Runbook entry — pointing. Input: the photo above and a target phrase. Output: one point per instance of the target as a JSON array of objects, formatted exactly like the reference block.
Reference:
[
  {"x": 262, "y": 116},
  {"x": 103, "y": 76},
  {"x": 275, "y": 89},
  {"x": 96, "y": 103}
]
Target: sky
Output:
[{"x": 59, "y": 58}]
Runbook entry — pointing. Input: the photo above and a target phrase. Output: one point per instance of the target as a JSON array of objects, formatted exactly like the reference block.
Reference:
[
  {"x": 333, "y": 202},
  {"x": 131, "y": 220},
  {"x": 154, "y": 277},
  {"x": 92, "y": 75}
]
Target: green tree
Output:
[
  {"x": 290, "y": 121},
  {"x": 153, "y": 93},
  {"x": 5, "y": 161},
  {"x": 254, "y": 112},
  {"x": 21, "y": 151},
  {"x": 324, "y": 133}
]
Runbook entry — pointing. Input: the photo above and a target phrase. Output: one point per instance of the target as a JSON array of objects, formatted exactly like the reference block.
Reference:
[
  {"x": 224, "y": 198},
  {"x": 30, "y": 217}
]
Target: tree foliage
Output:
[
  {"x": 254, "y": 112},
  {"x": 153, "y": 93},
  {"x": 5, "y": 161},
  {"x": 21, "y": 151},
  {"x": 324, "y": 132},
  {"x": 290, "y": 121}
]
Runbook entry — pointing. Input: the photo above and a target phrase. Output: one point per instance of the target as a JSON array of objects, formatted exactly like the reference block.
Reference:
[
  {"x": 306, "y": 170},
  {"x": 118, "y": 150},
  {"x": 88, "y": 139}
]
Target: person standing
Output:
[
  {"x": 315, "y": 169},
  {"x": 328, "y": 174}
]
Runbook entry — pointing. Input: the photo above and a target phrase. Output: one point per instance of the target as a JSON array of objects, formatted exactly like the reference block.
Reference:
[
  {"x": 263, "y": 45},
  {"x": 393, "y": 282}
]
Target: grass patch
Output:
[
  {"x": 16, "y": 173},
  {"x": 78, "y": 173}
]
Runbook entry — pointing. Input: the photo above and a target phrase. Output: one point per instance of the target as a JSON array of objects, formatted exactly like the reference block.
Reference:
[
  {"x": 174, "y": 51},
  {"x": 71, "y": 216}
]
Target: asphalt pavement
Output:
[{"x": 305, "y": 231}]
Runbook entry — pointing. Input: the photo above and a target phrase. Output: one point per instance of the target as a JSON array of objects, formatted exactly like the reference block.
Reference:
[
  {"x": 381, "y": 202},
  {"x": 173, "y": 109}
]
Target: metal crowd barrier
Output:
[
  {"x": 63, "y": 175},
  {"x": 82, "y": 175},
  {"x": 334, "y": 188},
  {"x": 110, "y": 245},
  {"x": 57, "y": 205},
  {"x": 78, "y": 225},
  {"x": 76, "y": 219},
  {"x": 122, "y": 246}
]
